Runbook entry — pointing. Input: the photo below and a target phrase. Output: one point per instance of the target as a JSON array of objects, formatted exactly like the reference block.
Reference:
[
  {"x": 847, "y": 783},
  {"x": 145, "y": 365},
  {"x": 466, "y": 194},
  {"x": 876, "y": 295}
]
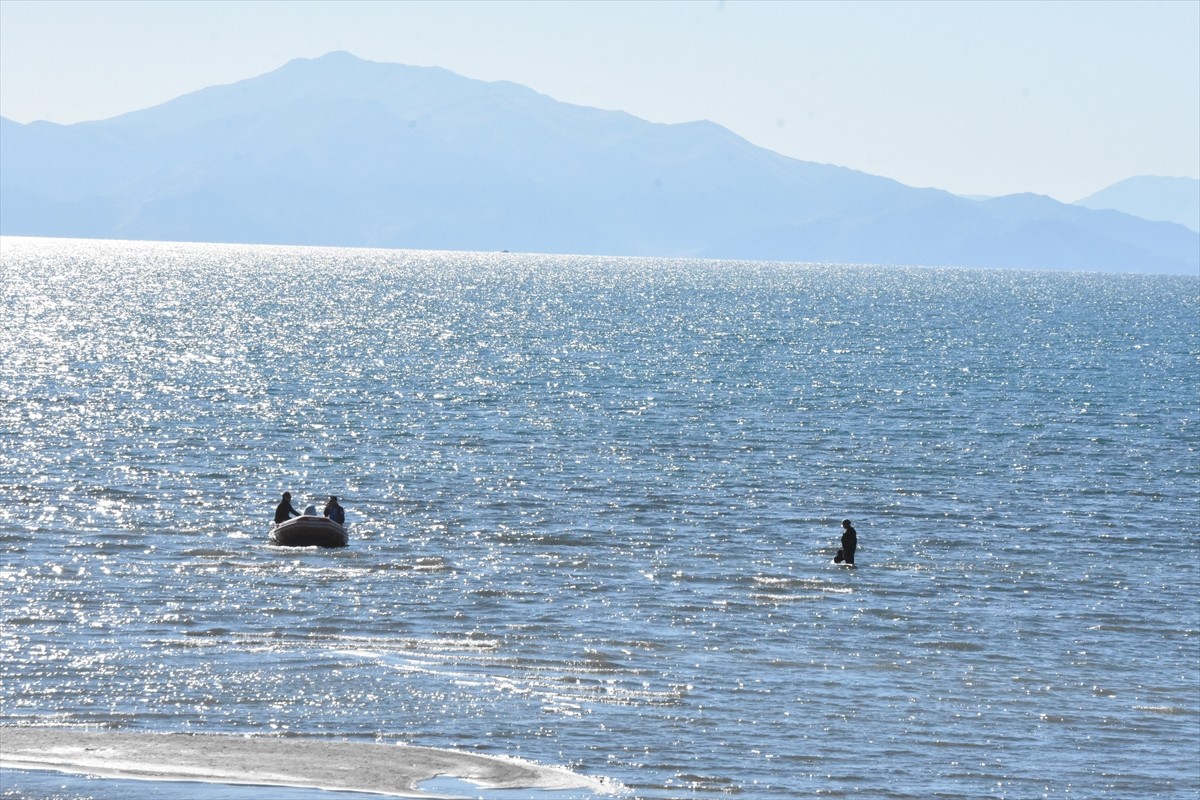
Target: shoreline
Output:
[{"x": 384, "y": 769}]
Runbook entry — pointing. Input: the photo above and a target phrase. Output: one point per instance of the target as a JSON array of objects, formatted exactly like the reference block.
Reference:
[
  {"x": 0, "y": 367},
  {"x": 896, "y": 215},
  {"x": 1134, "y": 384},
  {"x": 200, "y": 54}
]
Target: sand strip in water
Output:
[{"x": 395, "y": 770}]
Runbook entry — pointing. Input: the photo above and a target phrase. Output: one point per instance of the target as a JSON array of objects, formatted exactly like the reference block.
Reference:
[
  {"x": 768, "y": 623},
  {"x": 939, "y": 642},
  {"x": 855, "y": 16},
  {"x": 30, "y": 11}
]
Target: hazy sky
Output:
[{"x": 1059, "y": 98}]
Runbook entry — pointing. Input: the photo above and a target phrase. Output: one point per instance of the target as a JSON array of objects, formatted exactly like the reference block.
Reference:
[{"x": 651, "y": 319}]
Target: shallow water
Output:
[
  {"x": 592, "y": 505},
  {"x": 50, "y": 785}
]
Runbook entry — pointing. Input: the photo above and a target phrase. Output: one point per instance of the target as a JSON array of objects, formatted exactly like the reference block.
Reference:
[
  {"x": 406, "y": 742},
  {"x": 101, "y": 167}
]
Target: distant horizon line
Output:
[{"x": 663, "y": 259}]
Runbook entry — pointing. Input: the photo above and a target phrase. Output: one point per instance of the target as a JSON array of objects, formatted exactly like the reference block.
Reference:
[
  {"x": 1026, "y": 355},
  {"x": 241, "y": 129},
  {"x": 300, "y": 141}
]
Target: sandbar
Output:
[{"x": 386, "y": 769}]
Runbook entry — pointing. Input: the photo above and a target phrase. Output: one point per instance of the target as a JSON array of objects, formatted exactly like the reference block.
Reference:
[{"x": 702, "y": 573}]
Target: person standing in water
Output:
[
  {"x": 284, "y": 511},
  {"x": 334, "y": 511},
  {"x": 849, "y": 544}
]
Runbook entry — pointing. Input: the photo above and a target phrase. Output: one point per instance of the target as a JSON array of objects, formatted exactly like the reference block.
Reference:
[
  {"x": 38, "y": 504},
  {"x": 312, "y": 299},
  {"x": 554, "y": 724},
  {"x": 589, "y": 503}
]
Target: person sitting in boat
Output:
[
  {"x": 334, "y": 511},
  {"x": 310, "y": 511},
  {"x": 284, "y": 511}
]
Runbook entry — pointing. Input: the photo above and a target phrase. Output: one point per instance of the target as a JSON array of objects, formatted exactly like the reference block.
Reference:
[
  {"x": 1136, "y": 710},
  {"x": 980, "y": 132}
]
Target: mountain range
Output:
[
  {"x": 1152, "y": 197},
  {"x": 341, "y": 151}
]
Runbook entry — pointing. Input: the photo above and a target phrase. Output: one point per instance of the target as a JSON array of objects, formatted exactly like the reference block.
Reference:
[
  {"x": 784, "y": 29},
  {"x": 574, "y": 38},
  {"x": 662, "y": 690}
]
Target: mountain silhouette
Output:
[
  {"x": 1152, "y": 197},
  {"x": 341, "y": 151}
]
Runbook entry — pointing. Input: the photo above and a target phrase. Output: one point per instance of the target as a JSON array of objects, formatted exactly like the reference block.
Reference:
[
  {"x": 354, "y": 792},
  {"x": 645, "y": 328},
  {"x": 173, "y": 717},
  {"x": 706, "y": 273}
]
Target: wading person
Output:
[{"x": 849, "y": 544}]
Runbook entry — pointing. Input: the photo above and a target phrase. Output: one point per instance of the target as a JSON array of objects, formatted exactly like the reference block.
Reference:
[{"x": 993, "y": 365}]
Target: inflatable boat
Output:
[{"x": 309, "y": 531}]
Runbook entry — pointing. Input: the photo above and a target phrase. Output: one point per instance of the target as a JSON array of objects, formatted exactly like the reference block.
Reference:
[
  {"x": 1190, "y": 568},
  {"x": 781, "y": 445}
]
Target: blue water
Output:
[{"x": 593, "y": 504}]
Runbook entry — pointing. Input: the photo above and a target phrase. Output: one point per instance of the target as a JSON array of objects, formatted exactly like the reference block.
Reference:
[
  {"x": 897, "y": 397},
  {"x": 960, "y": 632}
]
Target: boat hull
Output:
[{"x": 308, "y": 531}]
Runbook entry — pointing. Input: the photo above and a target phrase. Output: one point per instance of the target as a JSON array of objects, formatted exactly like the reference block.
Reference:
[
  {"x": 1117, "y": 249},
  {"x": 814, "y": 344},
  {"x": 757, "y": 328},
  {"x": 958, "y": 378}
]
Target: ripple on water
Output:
[{"x": 593, "y": 505}]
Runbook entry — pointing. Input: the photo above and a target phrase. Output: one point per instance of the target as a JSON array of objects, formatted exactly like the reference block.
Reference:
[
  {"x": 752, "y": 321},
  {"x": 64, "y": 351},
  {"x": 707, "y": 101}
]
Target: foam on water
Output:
[{"x": 592, "y": 505}]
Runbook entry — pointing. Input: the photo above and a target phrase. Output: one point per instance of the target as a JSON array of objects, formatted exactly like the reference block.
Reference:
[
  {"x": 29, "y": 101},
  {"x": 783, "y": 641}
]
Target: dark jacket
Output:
[
  {"x": 336, "y": 513},
  {"x": 849, "y": 543},
  {"x": 284, "y": 511}
]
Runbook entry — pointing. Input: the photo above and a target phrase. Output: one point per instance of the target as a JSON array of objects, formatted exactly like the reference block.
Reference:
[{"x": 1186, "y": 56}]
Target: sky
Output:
[{"x": 978, "y": 98}]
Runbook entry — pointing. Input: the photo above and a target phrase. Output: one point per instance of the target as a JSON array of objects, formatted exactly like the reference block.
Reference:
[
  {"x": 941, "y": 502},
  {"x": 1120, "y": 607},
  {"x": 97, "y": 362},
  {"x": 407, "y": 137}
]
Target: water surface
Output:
[{"x": 593, "y": 503}]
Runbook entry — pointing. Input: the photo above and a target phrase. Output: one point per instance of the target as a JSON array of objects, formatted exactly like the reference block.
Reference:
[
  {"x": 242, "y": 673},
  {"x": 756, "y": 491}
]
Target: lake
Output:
[{"x": 592, "y": 506}]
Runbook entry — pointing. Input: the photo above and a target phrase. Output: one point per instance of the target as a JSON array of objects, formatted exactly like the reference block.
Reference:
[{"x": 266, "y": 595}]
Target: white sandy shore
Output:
[{"x": 394, "y": 770}]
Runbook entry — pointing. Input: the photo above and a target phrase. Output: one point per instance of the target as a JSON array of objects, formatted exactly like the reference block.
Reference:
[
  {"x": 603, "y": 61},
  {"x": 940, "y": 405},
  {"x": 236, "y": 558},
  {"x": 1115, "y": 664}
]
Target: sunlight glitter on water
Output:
[{"x": 593, "y": 503}]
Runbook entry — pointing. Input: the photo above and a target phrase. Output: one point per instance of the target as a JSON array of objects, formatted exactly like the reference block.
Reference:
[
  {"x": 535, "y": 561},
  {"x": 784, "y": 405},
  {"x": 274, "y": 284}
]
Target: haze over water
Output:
[{"x": 592, "y": 505}]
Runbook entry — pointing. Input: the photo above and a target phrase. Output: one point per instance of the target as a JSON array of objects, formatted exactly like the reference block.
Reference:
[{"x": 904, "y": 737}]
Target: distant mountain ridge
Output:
[
  {"x": 1152, "y": 197},
  {"x": 341, "y": 151}
]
